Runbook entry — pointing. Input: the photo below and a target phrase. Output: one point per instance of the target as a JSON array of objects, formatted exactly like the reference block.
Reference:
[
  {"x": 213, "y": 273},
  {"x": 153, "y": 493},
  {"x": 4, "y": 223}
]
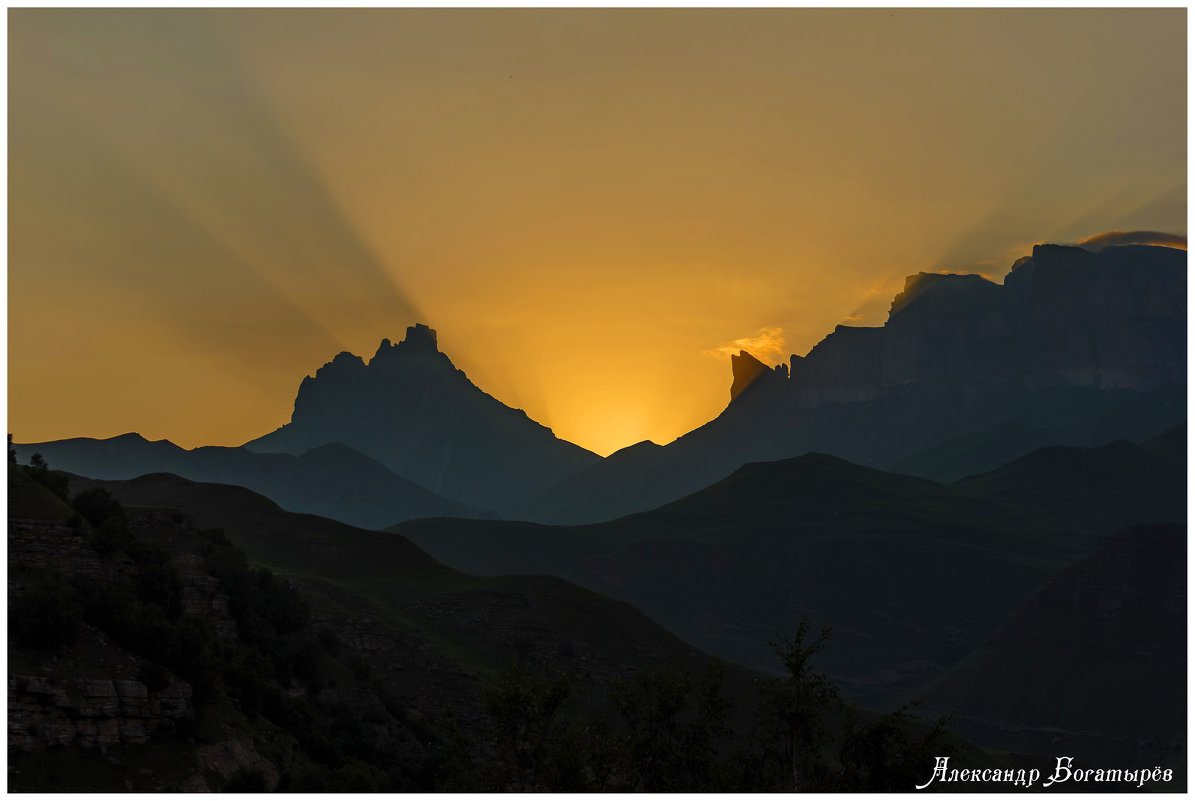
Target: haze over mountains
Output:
[
  {"x": 331, "y": 480},
  {"x": 1075, "y": 347}
]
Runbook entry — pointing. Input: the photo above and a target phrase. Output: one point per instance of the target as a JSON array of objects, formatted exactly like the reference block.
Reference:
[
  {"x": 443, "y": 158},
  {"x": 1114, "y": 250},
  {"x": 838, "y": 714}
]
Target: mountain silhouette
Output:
[
  {"x": 1074, "y": 348},
  {"x": 911, "y": 574},
  {"x": 332, "y": 480},
  {"x": 413, "y": 411}
]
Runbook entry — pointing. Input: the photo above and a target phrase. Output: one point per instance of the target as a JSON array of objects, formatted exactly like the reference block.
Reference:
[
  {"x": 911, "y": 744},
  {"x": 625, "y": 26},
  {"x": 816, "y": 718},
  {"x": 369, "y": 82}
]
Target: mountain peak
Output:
[
  {"x": 420, "y": 337},
  {"x": 746, "y": 370},
  {"x": 414, "y": 412},
  {"x": 419, "y": 341}
]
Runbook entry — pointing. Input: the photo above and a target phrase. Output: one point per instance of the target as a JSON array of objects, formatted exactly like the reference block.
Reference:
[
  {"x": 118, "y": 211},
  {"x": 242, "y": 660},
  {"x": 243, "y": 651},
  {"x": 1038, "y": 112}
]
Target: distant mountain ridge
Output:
[
  {"x": 332, "y": 480},
  {"x": 412, "y": 410},
  {"x": 1074, "y": 348}
]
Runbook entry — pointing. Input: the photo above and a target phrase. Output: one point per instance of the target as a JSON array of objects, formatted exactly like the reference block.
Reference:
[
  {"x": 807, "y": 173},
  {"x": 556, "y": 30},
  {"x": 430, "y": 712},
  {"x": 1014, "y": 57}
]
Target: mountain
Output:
[
  {"x": 1073, "y": 348},
  {"x": 911, "y": 574},
  {"x": 413, "y": 411},
  {"x": 1093, "y": 663},
  {"x": 331, "y": 480}
]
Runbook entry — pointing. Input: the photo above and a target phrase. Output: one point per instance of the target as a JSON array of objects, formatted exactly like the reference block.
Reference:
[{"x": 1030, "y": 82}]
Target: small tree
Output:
[
  {"x": 672, "y": 731},
  {"x": 793, "y": 708},
  {"x": 525, "y": 708}
]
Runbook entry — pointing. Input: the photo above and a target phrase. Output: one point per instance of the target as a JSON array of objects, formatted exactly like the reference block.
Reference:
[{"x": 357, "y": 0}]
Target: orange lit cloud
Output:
[
  {"x": 1110, "y": 238},
  {"x": 768, "y": 343}
]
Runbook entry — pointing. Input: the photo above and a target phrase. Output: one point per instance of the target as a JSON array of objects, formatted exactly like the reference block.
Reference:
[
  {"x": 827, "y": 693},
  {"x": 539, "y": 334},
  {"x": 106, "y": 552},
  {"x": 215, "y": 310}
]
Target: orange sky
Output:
[{"x": 589, "y": 205}]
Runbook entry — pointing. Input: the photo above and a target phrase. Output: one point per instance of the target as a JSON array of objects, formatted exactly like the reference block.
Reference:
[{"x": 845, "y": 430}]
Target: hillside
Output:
[
  {"x": 393, "y": 641},
  {"x": 1094, "y": 662},
  {"x": 148, "y": 654},
  {"x": 911, "y": 574}
]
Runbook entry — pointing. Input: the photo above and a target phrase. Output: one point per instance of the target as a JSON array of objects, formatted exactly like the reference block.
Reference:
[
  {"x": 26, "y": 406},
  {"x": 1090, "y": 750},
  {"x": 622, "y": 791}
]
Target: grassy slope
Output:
[
  {"x": 29, "y": 500},
  {"x": 478, "y": 621},
  {"x": 912, "y": 574}
]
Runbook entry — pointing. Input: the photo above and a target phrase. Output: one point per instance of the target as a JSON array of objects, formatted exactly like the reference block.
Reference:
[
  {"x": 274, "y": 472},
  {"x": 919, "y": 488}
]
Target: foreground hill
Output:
[
  {"x": 350, "y": 661},
  {"x": 1094, "y": 662},
  {"x": 1073, "y": 348},
  {"x": 413, "y": 411},
  {"x": 332, "y": 480},
  {"x": 911, "y": 574}
]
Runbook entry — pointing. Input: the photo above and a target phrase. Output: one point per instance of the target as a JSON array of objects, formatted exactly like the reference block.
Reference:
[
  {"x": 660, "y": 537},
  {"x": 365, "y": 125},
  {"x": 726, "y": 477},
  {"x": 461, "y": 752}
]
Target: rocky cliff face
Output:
[
  {"x": 413, "y": 411},
  {"x": 70, "y": 702},
  {"x": 91, "y": 711},
  {"x": 1113, "y": 319}
]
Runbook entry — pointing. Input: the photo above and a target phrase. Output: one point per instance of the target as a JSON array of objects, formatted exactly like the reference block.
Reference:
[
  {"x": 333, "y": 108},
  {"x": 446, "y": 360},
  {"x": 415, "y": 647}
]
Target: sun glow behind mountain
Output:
[{"x": 206, "y": 205}]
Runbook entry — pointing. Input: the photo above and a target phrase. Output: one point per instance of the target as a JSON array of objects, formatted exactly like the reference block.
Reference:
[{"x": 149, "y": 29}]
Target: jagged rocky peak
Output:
[
  {"x": 746, "y": 370},
  {"x": 420, "y": 341}
]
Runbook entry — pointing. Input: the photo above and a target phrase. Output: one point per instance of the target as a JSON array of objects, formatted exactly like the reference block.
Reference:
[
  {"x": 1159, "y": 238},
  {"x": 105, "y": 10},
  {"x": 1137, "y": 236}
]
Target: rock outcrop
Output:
[
  {"x": 91, "y": 711},
  {"x": 748, "y": 370}
]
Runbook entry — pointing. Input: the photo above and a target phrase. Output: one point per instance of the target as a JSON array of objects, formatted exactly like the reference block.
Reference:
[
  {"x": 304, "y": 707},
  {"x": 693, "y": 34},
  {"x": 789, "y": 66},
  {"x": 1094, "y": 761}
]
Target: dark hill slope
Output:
[
  {"x": 477, "y": 621},
  {"x": 332, "y": 480},
  {"x": 1063, "y": 481},
  {"x": 1094, "y": 662},
  {"x": 911, "y": 574}
]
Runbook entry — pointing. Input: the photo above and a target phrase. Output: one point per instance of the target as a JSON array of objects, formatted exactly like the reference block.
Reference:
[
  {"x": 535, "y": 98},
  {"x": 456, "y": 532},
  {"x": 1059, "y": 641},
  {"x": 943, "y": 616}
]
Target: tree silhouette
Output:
[{"x": 791, "y": 717}]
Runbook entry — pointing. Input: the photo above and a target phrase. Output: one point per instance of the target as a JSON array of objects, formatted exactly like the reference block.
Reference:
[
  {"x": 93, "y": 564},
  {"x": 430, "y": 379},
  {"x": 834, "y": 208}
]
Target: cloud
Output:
[
  {"x": 767, "y": 343},
  {"x": 1109, "y": 238}
]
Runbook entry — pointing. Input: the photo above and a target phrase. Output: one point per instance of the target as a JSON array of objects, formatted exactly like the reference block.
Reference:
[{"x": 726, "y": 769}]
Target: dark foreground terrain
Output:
[
  {"x": 151, "y": 650},
  {"x": 169, "y": 635}
]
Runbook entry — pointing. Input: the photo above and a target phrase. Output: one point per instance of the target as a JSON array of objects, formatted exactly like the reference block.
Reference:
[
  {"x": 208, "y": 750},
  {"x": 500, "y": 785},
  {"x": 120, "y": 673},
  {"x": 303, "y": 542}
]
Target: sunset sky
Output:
[{"x": 590, "y": 206}]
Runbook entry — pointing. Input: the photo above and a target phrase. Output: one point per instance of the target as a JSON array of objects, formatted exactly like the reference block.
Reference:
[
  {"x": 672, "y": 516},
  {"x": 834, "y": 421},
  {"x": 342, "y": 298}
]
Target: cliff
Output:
[{"x": 1113, "y": 319}]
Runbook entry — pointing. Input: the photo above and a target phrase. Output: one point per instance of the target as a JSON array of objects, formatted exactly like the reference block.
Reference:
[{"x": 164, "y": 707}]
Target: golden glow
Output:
[
  {"x": 766, "y": 345},
  {"x": 207, "y": 204}
]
